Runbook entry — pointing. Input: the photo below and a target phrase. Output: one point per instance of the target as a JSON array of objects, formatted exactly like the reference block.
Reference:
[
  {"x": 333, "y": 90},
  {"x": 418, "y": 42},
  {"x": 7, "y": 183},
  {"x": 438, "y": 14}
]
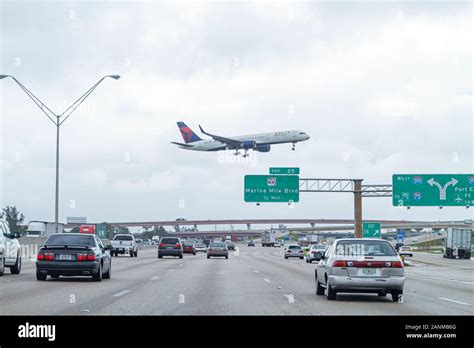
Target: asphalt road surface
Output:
[{"x": 253, "y": 281}]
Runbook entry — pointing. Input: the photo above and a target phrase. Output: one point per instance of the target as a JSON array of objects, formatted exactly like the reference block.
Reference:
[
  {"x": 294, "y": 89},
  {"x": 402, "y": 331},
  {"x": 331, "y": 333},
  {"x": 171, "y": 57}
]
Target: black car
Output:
[
  {"x": 170, "y": 246},
  {"x": 74, "y": 254},
  {"x": 398, "y": 246},
  {"x": 251, "y": 243}
]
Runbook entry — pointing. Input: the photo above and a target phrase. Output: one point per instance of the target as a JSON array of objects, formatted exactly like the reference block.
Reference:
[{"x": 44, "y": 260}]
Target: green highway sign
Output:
[
  {"x": 433, "y": 190},
  {"x": 271, "y": 188},
  {"x": 371, "y": 230},
  {"x": 286, "y": 171}
]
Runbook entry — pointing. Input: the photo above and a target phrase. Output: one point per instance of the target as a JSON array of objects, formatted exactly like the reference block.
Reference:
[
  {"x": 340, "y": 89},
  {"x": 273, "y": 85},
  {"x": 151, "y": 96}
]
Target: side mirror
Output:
[{"x": 318, "y": 256}]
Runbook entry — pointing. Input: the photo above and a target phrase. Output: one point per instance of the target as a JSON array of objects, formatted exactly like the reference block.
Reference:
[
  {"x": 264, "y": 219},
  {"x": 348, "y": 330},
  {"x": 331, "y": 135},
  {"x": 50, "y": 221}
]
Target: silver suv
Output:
[{"x": 360, "y": 265}]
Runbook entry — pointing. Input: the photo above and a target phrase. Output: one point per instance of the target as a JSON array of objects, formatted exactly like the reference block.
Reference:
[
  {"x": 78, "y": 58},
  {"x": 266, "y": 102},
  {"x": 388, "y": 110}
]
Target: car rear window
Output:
[
  {"x": 188, "y": 244},
  {"x": 217, "y": 245},
  {"x": 294, "y": 247},
  {"x": 364, "y": 247},
  {"x": 123, "y": 238},
  {"x": 200, "y": 245},
  {"x": 170, "y": 240},
  {"x": 64, "y": 239}
]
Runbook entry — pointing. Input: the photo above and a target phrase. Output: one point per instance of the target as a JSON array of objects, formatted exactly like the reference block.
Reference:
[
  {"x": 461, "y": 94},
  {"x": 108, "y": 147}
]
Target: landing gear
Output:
[
  {"x": 293, "y": 148},
  {"x": 245, "y": 153},
  {"x": 236, "y": 153}
]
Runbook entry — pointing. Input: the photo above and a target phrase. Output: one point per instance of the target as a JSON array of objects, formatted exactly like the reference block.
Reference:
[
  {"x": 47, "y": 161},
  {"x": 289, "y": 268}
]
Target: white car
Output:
[
  {"x": 9, "y": 250},
  {"x": 200, "y": 247},
  {"x": 405, "y": 250},
  {"x": 313, "y": 250}
]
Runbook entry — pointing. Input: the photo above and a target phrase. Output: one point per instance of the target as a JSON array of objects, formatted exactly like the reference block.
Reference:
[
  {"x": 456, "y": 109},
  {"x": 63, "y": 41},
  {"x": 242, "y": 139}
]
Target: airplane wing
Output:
[
  {"x": 228, "y": 141},
  {"x": 181, "y": 144}
]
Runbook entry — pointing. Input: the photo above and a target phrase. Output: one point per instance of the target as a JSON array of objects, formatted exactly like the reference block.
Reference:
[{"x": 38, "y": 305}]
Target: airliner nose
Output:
[{"x": 307, "y": 137}]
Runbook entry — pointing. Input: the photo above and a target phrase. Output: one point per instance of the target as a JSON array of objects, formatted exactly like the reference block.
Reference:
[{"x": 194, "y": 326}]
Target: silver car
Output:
[
  {"x": 313, "y": 250},
  {"x": 360, "y": 265},
  {"x": 217, "y": 249},
  {"x": 294, "y": 251}
]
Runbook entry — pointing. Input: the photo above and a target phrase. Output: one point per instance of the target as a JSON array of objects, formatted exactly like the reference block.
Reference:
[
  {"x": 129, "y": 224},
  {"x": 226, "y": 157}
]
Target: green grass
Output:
[{"x": 427, "y": 244}]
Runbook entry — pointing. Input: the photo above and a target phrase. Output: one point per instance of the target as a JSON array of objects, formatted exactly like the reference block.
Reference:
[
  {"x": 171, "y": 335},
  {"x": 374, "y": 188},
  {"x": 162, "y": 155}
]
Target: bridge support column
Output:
[{"x": 358, "y": 208}]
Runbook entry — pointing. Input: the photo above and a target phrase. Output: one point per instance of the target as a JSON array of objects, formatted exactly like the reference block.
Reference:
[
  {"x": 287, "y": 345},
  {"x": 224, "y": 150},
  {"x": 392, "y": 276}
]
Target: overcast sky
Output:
[{"x": 382, "y": 88}]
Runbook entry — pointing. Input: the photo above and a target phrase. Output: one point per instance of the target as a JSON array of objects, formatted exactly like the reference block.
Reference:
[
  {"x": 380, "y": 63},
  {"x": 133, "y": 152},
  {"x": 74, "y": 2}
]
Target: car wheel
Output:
[
  {"x": 181, "y": 256},
  {"x": 310, "y": 261},
  {"x": 136, "y": 253},
  {"x": 319, "y": 288},
  {"x": 381, "y": 293},
  {"x": 2, "y": 266},
  {"x": 194, "y": 253},
  {"x": 98, "y": 277},
  {"x": 109, "y": 272},
  {"x": 396, "y": 295},
  {"x": 286, "y": 257},
  {"x": 226, "y": 257},
  {"x": 40, "y": 276},
  {"x": 301, "y": 258},
  {"x": 131, "y": 254},
  {"x": 15, "y": 269},
  {"x": 331, "y": 293},
  {"x": 160, "y": 256},
  {"x": 208, "y": 257}
]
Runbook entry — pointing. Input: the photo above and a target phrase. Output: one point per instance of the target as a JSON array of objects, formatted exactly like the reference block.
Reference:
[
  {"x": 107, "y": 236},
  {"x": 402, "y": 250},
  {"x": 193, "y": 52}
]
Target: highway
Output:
[{"x": 253, "y": 281}]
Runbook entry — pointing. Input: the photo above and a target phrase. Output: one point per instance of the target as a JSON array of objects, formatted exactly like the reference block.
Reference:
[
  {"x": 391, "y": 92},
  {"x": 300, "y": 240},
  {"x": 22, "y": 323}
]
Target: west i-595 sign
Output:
[{"x": 433, "y": 190}]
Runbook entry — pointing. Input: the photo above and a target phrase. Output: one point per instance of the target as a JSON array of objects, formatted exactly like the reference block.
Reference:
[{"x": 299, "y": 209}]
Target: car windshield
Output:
[
  {"x": 64, "y": 239},
  {"x": 318, "y": 247},
  {"x": 217, "y": 245},
  {"x": 294, "y": 247},
  {"x": 170, "y": 240},
  {"x": 123, "y": 238},
  {"x": 364, "y": 247}
]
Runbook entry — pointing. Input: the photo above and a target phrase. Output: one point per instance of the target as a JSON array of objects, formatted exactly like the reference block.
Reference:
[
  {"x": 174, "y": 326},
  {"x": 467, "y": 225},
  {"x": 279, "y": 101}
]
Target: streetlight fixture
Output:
[{"x": 58, "y": 120}]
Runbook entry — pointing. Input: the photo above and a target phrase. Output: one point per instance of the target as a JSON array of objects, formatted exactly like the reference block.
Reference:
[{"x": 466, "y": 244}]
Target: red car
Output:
[{"x": 188, "y": 248}]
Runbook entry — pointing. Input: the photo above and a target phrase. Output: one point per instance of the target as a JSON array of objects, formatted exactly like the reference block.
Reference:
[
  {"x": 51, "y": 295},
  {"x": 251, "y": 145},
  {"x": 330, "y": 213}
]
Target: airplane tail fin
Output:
[{"x": 188, "y": 135}]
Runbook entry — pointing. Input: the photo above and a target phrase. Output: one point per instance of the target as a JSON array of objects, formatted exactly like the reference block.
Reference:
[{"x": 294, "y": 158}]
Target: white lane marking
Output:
[
  {"x": 121, "y": 293},
  {"x": 266, "y": 280},
  {"x": 450, "y": 300},
  {"x": 180, "y": 265},
  {"x": 446, "y": 279},
  {"x": 256, "y": 271},
  {"x": 171, "y": 270},
  {"x": 155, "y": 277}
]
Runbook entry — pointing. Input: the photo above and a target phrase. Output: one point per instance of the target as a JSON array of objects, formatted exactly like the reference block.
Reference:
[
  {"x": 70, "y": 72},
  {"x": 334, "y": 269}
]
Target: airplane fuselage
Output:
[{"x": 262, "y": 139}]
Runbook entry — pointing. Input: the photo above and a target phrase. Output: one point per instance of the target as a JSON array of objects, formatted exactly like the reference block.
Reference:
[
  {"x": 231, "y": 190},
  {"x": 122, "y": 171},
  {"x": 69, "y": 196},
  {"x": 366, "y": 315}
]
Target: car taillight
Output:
[
  {"x": 177, "y": 245},
  {"x": 45, "y": 256},
  {"x": 161, "y": 245},
  {"x": 86, "y": 257},
  {"x": 339, "y": 263},
  {"x": 397, "y": 264}
]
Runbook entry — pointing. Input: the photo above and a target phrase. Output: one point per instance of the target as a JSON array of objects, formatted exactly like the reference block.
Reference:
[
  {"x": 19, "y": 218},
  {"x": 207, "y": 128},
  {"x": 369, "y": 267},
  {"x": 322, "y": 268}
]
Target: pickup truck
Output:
[
  {"x": 10, "y": 255},
  {"x": 124, "y": 244}
]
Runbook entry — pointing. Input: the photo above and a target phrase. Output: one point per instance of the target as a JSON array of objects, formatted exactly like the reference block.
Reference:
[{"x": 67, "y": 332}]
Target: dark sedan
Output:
[
  {"x": 170, "y": 246},
  {"x": 189, "y": 248},
  {"x": 74, "y": 254}
]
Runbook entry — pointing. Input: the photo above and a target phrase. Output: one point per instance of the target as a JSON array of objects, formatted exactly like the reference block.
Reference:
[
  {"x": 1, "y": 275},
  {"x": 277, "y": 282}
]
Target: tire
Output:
[
  {"x": 396, "y": 294},
  {"x": 194, "y": 253},
  {"x": 40, "y": 276},
  {"x": 98, "y": 277},
  {"x": 16, "y": 268},
  {"x": 319, "y": 289},
  {"x": 307, "y": 261},
  {"x": 331, "y": 293},
  {"x": 2, "y": 266},
  {"x": 381, "y": 294},
  {"x": 286, "y": 257},
  {"x": 208, "y": 257},
  {"x": 136, "y": 253},
  {"x": 310, "y": 261},
  {"x": 160, "y": 256},
  {"x": 131, "y": 254},
  {"x": 226, "y": 257},
  {"x": 108, "y": 273},
  {"x": 301, "y": 258},
  {"x": 181, "y": 256}
]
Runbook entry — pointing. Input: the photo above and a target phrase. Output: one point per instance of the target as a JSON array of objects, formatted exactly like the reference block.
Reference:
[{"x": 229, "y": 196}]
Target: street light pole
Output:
[{"x": 58, "y": 122}]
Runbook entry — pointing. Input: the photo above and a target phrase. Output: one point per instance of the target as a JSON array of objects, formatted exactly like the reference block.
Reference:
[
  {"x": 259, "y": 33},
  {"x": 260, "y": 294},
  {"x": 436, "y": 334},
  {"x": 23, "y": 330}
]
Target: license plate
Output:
[
  {"x": 65, "y": 257},
  {"x": 369, "y": 271},
  {"x": 169, "y": 247}
]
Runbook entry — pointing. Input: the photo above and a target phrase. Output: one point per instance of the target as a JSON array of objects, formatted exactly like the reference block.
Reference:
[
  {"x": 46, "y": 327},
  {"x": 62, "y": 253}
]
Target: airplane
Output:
[{"x": 258, "y": 142}]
